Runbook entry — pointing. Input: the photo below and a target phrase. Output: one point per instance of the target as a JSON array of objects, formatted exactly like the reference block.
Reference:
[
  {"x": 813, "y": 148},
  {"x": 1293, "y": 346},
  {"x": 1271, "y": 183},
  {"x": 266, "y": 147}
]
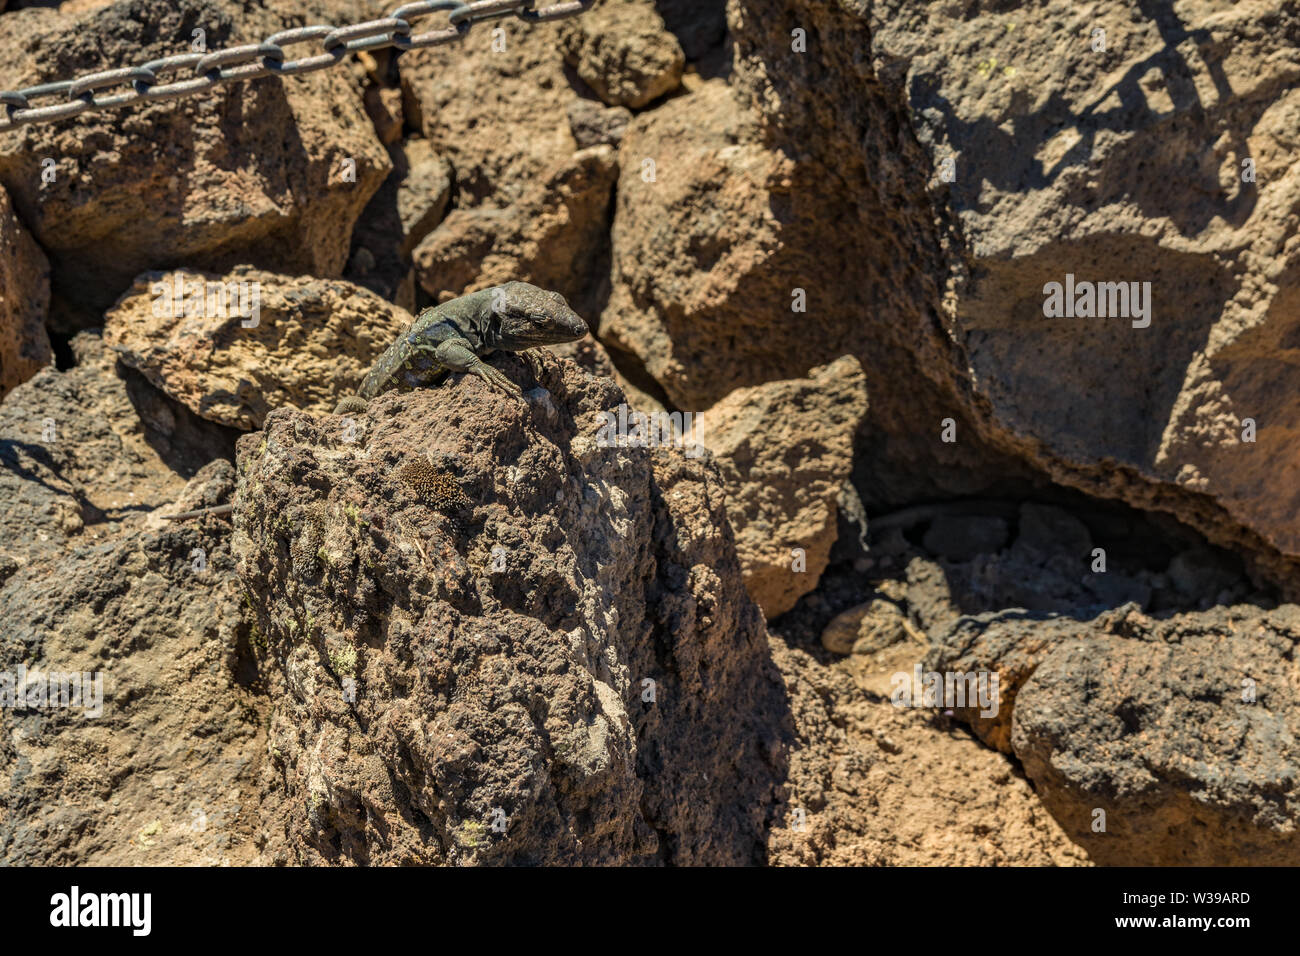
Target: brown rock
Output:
[
  {"x": 785, "y": 450},
  {"x": 251, "y": 172},
  {"x": 525, "y": 205},
  {"x": 623, "y": 52},
  {"x": 423, "y": 194},
  {"x": 163, "y": 770},
  {"x": 1180, "y": 730},
  {"x": 684, "y": 244},
  {"x": 867, "y": 629},
  {"x": 161, "y": 775},
  {"x": 713, "y": 258},
  {"x": 595, "y": 358},
  {"x": 549, "y": 237},
  {"x": 24, "y": 300},
  {"x": 875, "y": 785},
  {"x": 1051, "y": 143},
  {"x": 813, "y": 172},
  {"x": 313, "y": 341},
  {"x": 1224, "y": 286},
  {"x": 499, "y": 117},
  {"x": 90, "y": 447},
  {"x": 500, "y": 661}
]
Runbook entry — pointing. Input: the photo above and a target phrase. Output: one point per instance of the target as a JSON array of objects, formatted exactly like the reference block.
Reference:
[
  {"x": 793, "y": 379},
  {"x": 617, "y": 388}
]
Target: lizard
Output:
[{"x": 454, "y": 337}]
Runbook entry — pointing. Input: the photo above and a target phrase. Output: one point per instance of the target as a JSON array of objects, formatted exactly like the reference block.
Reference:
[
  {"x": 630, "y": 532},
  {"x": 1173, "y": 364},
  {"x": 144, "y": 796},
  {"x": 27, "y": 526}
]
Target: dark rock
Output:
[
  {"x": 593, "y": 123},
  {"x": 962, "y": 537},
  {"x": 1046, "y": 530},
  {"x": 699, "y": 25}
]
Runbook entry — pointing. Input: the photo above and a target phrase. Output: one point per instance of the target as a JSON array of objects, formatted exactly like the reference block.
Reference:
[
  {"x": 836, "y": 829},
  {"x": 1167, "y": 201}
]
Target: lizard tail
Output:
[{"x": 350, "y": 405}]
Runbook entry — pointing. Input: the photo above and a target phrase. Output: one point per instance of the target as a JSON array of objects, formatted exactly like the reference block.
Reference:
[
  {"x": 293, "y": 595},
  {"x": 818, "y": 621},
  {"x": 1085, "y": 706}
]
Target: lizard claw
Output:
[
  {"x": 533, "y": 357},
  {"x": 497, "y": 379}
]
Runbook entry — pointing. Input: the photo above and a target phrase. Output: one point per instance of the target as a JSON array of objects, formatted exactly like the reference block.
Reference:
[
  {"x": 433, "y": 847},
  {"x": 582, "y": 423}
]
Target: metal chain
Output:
[{"x": 253, "y": 60}]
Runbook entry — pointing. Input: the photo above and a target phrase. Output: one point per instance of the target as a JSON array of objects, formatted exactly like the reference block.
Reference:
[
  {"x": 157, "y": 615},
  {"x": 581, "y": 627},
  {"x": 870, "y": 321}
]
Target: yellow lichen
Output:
[
  {"x": 435, "y": 487},
  {"x": 344, "y": 661}
]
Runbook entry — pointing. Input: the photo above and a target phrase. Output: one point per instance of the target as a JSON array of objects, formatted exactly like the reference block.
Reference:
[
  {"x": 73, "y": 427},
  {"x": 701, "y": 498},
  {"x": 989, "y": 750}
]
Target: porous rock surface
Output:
[
  {"x": 785, "y": 450},
  {"x": 165, "y": 775},
  {"x": 91, "y": 581},
  {"x": 1182, "y": 731},
  {"x": 624, "y": 53},
  {"x": 272, "y": 171},
  {"x": 1118, "y": 161},
  {"x": 548, "y": 236},
  {"x": 24, "y": 301},
  {"x": 528, "y": 203},
  {"x": 894, "y": 181},
  {"x": 873, "y": 785},
  {"x": 86, "y": 449},
  {"x": 494, "y": 641},
  {"x": 313, "y": 341}
]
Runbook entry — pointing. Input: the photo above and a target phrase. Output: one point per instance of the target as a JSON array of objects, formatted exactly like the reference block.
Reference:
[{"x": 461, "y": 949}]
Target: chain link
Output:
[{"x": 268, "y": 58}]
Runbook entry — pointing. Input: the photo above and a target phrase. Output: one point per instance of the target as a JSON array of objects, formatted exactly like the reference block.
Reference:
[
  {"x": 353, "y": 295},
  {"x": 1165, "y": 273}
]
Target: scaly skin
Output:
[{"x": 454, "y": 337}]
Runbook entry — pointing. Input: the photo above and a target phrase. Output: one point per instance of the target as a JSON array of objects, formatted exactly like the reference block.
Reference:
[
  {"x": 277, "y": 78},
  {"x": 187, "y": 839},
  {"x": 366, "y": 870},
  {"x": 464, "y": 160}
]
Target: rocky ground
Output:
[{"x": 461, "y": 628}]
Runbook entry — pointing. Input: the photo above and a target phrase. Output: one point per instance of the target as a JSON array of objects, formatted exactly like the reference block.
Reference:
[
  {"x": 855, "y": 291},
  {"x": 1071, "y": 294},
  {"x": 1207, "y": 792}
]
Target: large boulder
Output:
[
  {"x": 273, "y": 172},
  {"x": 1153, "y": 149},
  {"x": 162, "y": 768},
  {"x": 158, "y": 770},
  {"x": 88, "y": 448},
  {"x": 977, "y": 156},
  {"x": 24, "y": 301},
  {"x": 499, "y": 638},
  {"x": 301, "y": 341},
  {"x": 1180, "y": 731}
]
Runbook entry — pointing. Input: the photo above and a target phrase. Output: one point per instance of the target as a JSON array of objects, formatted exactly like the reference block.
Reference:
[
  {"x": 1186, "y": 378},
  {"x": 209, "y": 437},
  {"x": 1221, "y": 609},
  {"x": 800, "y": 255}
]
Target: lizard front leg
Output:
[{"x": 456, "y": 354}]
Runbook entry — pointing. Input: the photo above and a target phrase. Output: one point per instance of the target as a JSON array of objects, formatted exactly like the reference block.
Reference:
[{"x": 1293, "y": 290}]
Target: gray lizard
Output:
[{"x": 455, "y": 336}]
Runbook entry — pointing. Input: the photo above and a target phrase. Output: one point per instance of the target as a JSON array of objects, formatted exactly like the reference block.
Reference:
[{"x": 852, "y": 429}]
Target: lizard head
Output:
[{"x": 530, "y": 316}]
